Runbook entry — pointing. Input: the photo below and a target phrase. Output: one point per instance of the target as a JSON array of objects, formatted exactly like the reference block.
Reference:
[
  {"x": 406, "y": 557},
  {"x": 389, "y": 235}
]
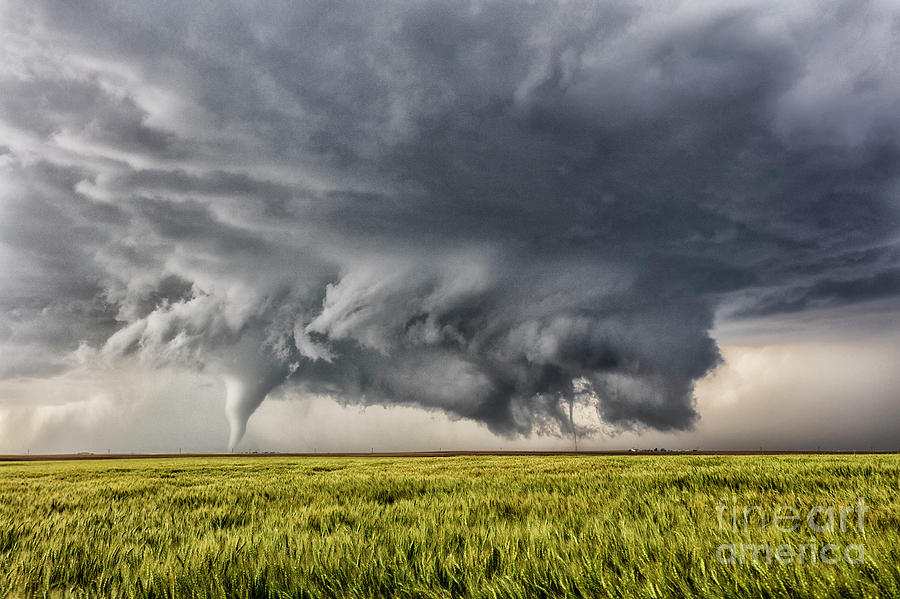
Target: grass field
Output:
[{"x": 486, "y": 526}]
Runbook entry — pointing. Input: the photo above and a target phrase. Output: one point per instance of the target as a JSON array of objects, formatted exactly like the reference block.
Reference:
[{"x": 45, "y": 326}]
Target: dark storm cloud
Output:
[
  {"x": 490, "y": 209},
  {"x": 830, "y": 292}
]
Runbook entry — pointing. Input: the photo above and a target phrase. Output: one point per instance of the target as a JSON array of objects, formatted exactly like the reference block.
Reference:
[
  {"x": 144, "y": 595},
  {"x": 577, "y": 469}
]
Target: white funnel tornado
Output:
[{"x": 248, "y": 380}]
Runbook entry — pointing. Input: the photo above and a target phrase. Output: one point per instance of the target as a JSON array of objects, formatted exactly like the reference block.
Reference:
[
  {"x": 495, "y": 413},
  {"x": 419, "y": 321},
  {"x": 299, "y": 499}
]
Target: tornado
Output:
[{"x": 243, "y": 394}]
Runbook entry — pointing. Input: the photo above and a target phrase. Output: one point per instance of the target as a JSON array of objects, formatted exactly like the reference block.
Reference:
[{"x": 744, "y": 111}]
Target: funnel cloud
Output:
[{"x": 498, "y": 211}]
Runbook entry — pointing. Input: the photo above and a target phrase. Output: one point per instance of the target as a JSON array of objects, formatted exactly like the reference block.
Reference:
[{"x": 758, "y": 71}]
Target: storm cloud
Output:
[{"x": 491, "y": 209}]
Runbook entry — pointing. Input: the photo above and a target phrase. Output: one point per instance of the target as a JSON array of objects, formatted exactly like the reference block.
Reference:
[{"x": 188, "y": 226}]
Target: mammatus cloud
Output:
[{"x": 493, "y": 210}]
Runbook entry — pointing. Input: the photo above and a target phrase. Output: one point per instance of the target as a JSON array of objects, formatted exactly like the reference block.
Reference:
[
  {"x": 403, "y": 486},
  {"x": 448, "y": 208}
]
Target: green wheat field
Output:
[{"x": 473, "y": 526}]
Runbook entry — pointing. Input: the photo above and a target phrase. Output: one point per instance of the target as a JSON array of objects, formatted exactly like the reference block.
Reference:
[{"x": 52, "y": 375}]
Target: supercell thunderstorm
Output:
[{"x": 493, "y": 210}]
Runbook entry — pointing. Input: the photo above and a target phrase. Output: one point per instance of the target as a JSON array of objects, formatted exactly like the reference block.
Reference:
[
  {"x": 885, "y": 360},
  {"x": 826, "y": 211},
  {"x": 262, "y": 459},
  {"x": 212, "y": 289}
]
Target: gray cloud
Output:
[{"x": 493, "y": 210}]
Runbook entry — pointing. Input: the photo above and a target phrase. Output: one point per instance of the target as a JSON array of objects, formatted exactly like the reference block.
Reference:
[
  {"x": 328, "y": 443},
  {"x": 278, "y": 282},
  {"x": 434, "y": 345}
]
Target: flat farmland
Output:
[{"x": 452, "y": 526}]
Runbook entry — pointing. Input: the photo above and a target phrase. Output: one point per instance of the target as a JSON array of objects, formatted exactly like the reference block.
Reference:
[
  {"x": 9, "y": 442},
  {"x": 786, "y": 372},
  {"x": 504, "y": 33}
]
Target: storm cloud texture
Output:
[{"x": 492, "y": 209}]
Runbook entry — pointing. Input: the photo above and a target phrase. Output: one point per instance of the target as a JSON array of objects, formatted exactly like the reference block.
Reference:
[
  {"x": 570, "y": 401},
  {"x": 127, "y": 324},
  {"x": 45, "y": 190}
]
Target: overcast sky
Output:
[{"x": 327, "y": 225}]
